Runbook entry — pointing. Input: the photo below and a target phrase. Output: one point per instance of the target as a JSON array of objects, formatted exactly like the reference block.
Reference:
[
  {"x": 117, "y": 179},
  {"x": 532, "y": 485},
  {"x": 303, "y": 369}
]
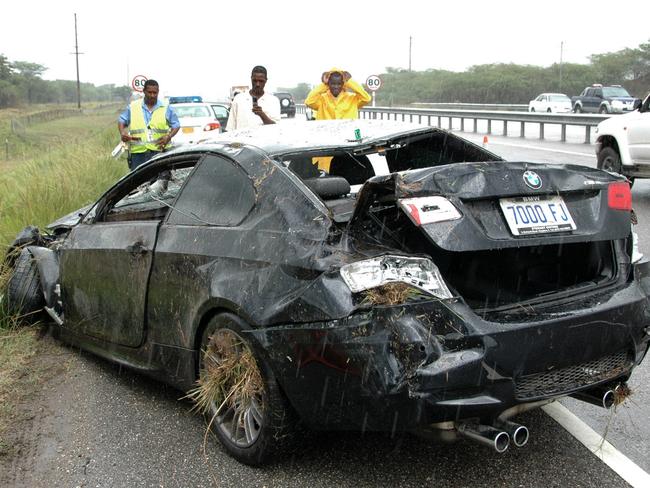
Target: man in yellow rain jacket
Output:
[
  {"x": 147, "y": 125},
  {"x": 337, "y": 97}
]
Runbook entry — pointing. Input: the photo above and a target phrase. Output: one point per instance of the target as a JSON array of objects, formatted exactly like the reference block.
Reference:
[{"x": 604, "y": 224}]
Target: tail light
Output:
[
  {"x": 619, "y": 196},
  {"x": 212, "y": 126}
]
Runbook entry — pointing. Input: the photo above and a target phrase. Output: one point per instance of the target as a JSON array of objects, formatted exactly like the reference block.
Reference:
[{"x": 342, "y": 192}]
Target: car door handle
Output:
[{"x": 136, "y": 249}]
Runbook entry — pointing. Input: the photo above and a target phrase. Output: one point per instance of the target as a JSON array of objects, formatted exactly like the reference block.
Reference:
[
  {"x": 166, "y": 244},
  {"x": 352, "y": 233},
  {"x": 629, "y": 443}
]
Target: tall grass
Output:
[{"x": 73, "y": 172}]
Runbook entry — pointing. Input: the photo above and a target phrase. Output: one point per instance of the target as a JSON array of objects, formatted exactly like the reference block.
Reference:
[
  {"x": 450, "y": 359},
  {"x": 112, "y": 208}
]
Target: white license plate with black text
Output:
[{"x": 537, "y": 215}]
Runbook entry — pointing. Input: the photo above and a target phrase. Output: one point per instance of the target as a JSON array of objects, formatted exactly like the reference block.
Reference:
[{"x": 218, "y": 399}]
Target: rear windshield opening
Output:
[
  {"x": 497, "y": 278},
  {"x": 400, "y": 154}
]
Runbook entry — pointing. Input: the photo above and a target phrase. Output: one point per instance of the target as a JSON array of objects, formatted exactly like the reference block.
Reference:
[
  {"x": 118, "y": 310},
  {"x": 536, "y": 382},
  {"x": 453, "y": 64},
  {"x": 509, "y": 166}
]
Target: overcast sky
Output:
[{"x": 197, "y": 47}]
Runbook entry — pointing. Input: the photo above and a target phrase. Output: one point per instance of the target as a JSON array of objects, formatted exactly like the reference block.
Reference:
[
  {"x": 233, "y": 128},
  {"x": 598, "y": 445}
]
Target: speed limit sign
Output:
[
  {"x": 138, "y": 83},
  {"x": 373, "y": 82}
]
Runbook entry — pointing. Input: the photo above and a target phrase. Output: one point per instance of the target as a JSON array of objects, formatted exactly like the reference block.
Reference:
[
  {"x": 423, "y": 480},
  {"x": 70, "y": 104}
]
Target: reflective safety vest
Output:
[{"x": 157, "y": 128}]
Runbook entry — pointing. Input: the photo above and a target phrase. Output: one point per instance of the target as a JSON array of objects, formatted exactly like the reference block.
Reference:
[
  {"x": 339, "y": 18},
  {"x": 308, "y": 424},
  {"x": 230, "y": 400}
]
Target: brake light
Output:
[
  {"x": 619, "y": 196},
  {"x": 212, "y": 126}
]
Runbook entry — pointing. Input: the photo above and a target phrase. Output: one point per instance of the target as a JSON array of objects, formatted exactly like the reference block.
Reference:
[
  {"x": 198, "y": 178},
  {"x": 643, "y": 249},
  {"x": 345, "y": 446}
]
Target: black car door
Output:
[{"x": 106, "y": 260}]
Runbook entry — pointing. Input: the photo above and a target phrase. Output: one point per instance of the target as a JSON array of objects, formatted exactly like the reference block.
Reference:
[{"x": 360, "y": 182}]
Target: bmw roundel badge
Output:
[{"x": 532, "y": 180}]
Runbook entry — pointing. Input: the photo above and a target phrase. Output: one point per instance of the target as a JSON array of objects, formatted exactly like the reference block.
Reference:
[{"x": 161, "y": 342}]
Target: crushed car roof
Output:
[{"x": 278, "y": 138}]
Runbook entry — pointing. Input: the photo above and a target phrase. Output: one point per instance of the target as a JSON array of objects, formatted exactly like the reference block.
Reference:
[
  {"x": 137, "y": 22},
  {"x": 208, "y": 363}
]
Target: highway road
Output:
[{"x": 105, "y": 426}]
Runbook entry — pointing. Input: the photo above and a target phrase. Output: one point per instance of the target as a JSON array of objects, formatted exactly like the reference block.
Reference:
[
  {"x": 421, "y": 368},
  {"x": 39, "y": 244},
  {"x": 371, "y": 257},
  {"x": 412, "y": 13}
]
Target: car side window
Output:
[
  {"x": 151, "y": 199},
  {"x": 218, "y": 193},
  {"x": 598, "y": 93},
  {"x": 219, "y": 111}
]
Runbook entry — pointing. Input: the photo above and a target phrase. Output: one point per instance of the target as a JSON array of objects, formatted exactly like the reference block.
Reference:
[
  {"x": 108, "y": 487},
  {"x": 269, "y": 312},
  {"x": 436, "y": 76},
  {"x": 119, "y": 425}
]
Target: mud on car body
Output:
[{"x": 407, "y": 280}]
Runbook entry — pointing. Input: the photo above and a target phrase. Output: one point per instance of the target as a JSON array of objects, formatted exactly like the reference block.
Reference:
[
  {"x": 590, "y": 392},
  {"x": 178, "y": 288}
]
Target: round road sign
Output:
[
  {"x": 373, "y": 82},
  {"x": 138, "y": 83}
]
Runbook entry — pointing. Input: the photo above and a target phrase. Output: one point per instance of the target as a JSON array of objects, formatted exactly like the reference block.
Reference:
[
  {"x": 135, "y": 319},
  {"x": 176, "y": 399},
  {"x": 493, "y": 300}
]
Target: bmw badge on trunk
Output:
[{"x": 532, "y": 180}]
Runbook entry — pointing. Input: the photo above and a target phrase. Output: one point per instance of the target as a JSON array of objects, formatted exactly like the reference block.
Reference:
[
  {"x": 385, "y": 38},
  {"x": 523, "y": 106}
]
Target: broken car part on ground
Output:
[{"x": 406, "y": 280}]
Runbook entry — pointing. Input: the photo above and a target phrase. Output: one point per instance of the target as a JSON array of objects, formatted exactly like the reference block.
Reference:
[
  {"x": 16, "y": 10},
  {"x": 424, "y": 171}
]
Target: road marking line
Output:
[{"x": 621, "y": 464}]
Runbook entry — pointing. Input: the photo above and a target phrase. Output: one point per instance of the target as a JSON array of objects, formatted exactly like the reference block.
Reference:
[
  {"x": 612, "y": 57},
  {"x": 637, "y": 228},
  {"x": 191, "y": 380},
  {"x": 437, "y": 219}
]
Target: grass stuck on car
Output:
[{"x": 350, "y": 275}]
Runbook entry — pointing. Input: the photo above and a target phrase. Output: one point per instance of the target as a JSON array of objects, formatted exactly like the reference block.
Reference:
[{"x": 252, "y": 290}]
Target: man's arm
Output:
[
  {"x": 313, "y": 100},
  {"x": 272, "y": 114},
  {"x": 123, "y": 122},
  {"x": 362, "y": 95}
]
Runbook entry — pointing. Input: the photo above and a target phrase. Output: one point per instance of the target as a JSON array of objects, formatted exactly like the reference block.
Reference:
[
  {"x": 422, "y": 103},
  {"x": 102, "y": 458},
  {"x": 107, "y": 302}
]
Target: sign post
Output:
[
  {"x": 373, "y": 82},
  {"x": 138, "y": 83}
]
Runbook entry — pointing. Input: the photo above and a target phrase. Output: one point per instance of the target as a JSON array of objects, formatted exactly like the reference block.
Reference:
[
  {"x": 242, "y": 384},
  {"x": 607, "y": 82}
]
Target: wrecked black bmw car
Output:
[{"x": 394, "y": 277}]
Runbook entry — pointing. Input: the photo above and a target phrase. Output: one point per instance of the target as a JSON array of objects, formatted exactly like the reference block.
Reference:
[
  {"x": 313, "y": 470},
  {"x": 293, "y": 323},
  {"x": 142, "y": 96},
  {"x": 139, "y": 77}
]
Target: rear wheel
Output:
[
  {"x": 23, "y": 293},
  {"x": 609, "y": 160},
  {"x": 603, "y": 109},
  {"x": 239, "y": 393},
  {"x": 532, "y": 109},
  {"x": 577, "y": 109},
  {"x": 549, "y": 110}
]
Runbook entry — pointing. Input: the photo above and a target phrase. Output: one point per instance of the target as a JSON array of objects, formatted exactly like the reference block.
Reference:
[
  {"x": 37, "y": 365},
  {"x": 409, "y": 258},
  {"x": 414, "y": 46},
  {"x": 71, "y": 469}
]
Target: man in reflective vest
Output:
[{"x": 147, "y": 125}]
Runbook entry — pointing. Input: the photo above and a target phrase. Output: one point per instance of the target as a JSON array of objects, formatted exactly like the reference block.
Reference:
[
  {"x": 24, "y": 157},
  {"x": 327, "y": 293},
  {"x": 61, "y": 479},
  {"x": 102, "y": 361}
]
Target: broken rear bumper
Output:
[{"x": 409, "y": 366}]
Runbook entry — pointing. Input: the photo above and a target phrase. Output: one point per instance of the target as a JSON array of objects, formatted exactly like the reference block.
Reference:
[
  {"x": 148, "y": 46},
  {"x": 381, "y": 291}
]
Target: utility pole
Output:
[
  {"x": 561, "y": 52},
  {"x": 77, "y": 53},
  {"x": 410, "y": 43}
]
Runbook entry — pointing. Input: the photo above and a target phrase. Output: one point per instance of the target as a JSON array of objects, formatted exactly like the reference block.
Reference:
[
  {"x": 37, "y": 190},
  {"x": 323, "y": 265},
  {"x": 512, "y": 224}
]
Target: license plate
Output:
[
  {"x": 188, "y": 130},
  {"x": 537, "y": 215}
]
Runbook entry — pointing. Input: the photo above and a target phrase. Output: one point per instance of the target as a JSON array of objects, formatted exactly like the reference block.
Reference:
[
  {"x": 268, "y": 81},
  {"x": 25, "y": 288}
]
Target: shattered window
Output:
[
  {"x": 152, "y": 199},
  {"x": 219, "y": 193}
]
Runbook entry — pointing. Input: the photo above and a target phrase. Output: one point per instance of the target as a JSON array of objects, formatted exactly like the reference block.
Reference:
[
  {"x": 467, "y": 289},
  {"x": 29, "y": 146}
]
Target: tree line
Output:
[
  {"x": 21, "y": 83},
  {"x": 511, "y": 83}
]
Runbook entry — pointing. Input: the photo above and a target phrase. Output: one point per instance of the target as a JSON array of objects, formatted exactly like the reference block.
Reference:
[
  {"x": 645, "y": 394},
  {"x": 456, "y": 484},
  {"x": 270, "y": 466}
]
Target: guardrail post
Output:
[
  {"x": 505, "y": 127},
  {"x": 475, "y": 125},
  {"x": 450, "y": 122},
  {"x": 410, "y": 117},
  {"x": 541, "y": 130},
  {"x": 587, "y": 134},
  {"x": 439, "y": 121},
  {"x": 489, "y": 126},
  {"x": 563, "y": 137},
  {"x": 429, "y": 120},
  {"x": 462, "y": 124},
  {"x": 522, "y": 132},
  {"x": 403, "y": 117}
]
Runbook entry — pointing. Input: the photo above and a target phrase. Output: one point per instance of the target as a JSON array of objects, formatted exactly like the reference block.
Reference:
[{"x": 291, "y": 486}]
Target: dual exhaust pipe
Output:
[{"x": 497, "y": 436}]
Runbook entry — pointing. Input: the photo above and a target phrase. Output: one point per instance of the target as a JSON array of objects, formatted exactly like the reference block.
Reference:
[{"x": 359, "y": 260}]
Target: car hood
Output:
[
  {"x": 70, "y": 220},
  {"x": 475, "y": 190}
]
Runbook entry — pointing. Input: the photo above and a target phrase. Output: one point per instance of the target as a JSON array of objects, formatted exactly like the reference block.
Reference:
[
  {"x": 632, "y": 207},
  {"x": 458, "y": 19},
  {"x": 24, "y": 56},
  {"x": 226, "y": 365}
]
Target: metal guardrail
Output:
[
  {"x": 421, "y": 115},
  {"x": 508, "y": 107}
]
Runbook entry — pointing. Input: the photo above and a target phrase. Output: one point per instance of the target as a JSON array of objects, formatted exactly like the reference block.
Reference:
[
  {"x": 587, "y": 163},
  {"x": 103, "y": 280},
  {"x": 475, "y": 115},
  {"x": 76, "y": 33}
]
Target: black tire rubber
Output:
[
  {"x": 609, "y": 160},
  {"x": 548, "y": 110},
  {"x": 23, "y": 293},
  {"x": 279, "y": 421},
  {"x": 603, "y": 109},
  {"x": 577, "y": 109},
  {"x": 532, "y": 109}
]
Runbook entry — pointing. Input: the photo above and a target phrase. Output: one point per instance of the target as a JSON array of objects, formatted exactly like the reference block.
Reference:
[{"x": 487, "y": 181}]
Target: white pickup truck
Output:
[{"x": 623, "y": 143}]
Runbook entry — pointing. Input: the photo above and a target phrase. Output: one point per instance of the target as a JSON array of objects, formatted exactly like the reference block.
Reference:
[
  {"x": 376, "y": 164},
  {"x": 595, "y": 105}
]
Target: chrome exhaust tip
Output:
[
  {"x": 518, "y": 433},
  {"x": 600, "y": 396},
  {"x": 487, "y": 435}
]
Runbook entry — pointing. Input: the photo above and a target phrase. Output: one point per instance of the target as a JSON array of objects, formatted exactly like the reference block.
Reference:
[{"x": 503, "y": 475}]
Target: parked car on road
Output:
[
  {"x": 550, "y": 102},
  {"x": 413, "y": 281},
  {"x": 199, "y": 121},
  {"x": 623, "y": 143},
  {"x": 287, "y": 104},
  {"x": 604, "y": 100}
]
